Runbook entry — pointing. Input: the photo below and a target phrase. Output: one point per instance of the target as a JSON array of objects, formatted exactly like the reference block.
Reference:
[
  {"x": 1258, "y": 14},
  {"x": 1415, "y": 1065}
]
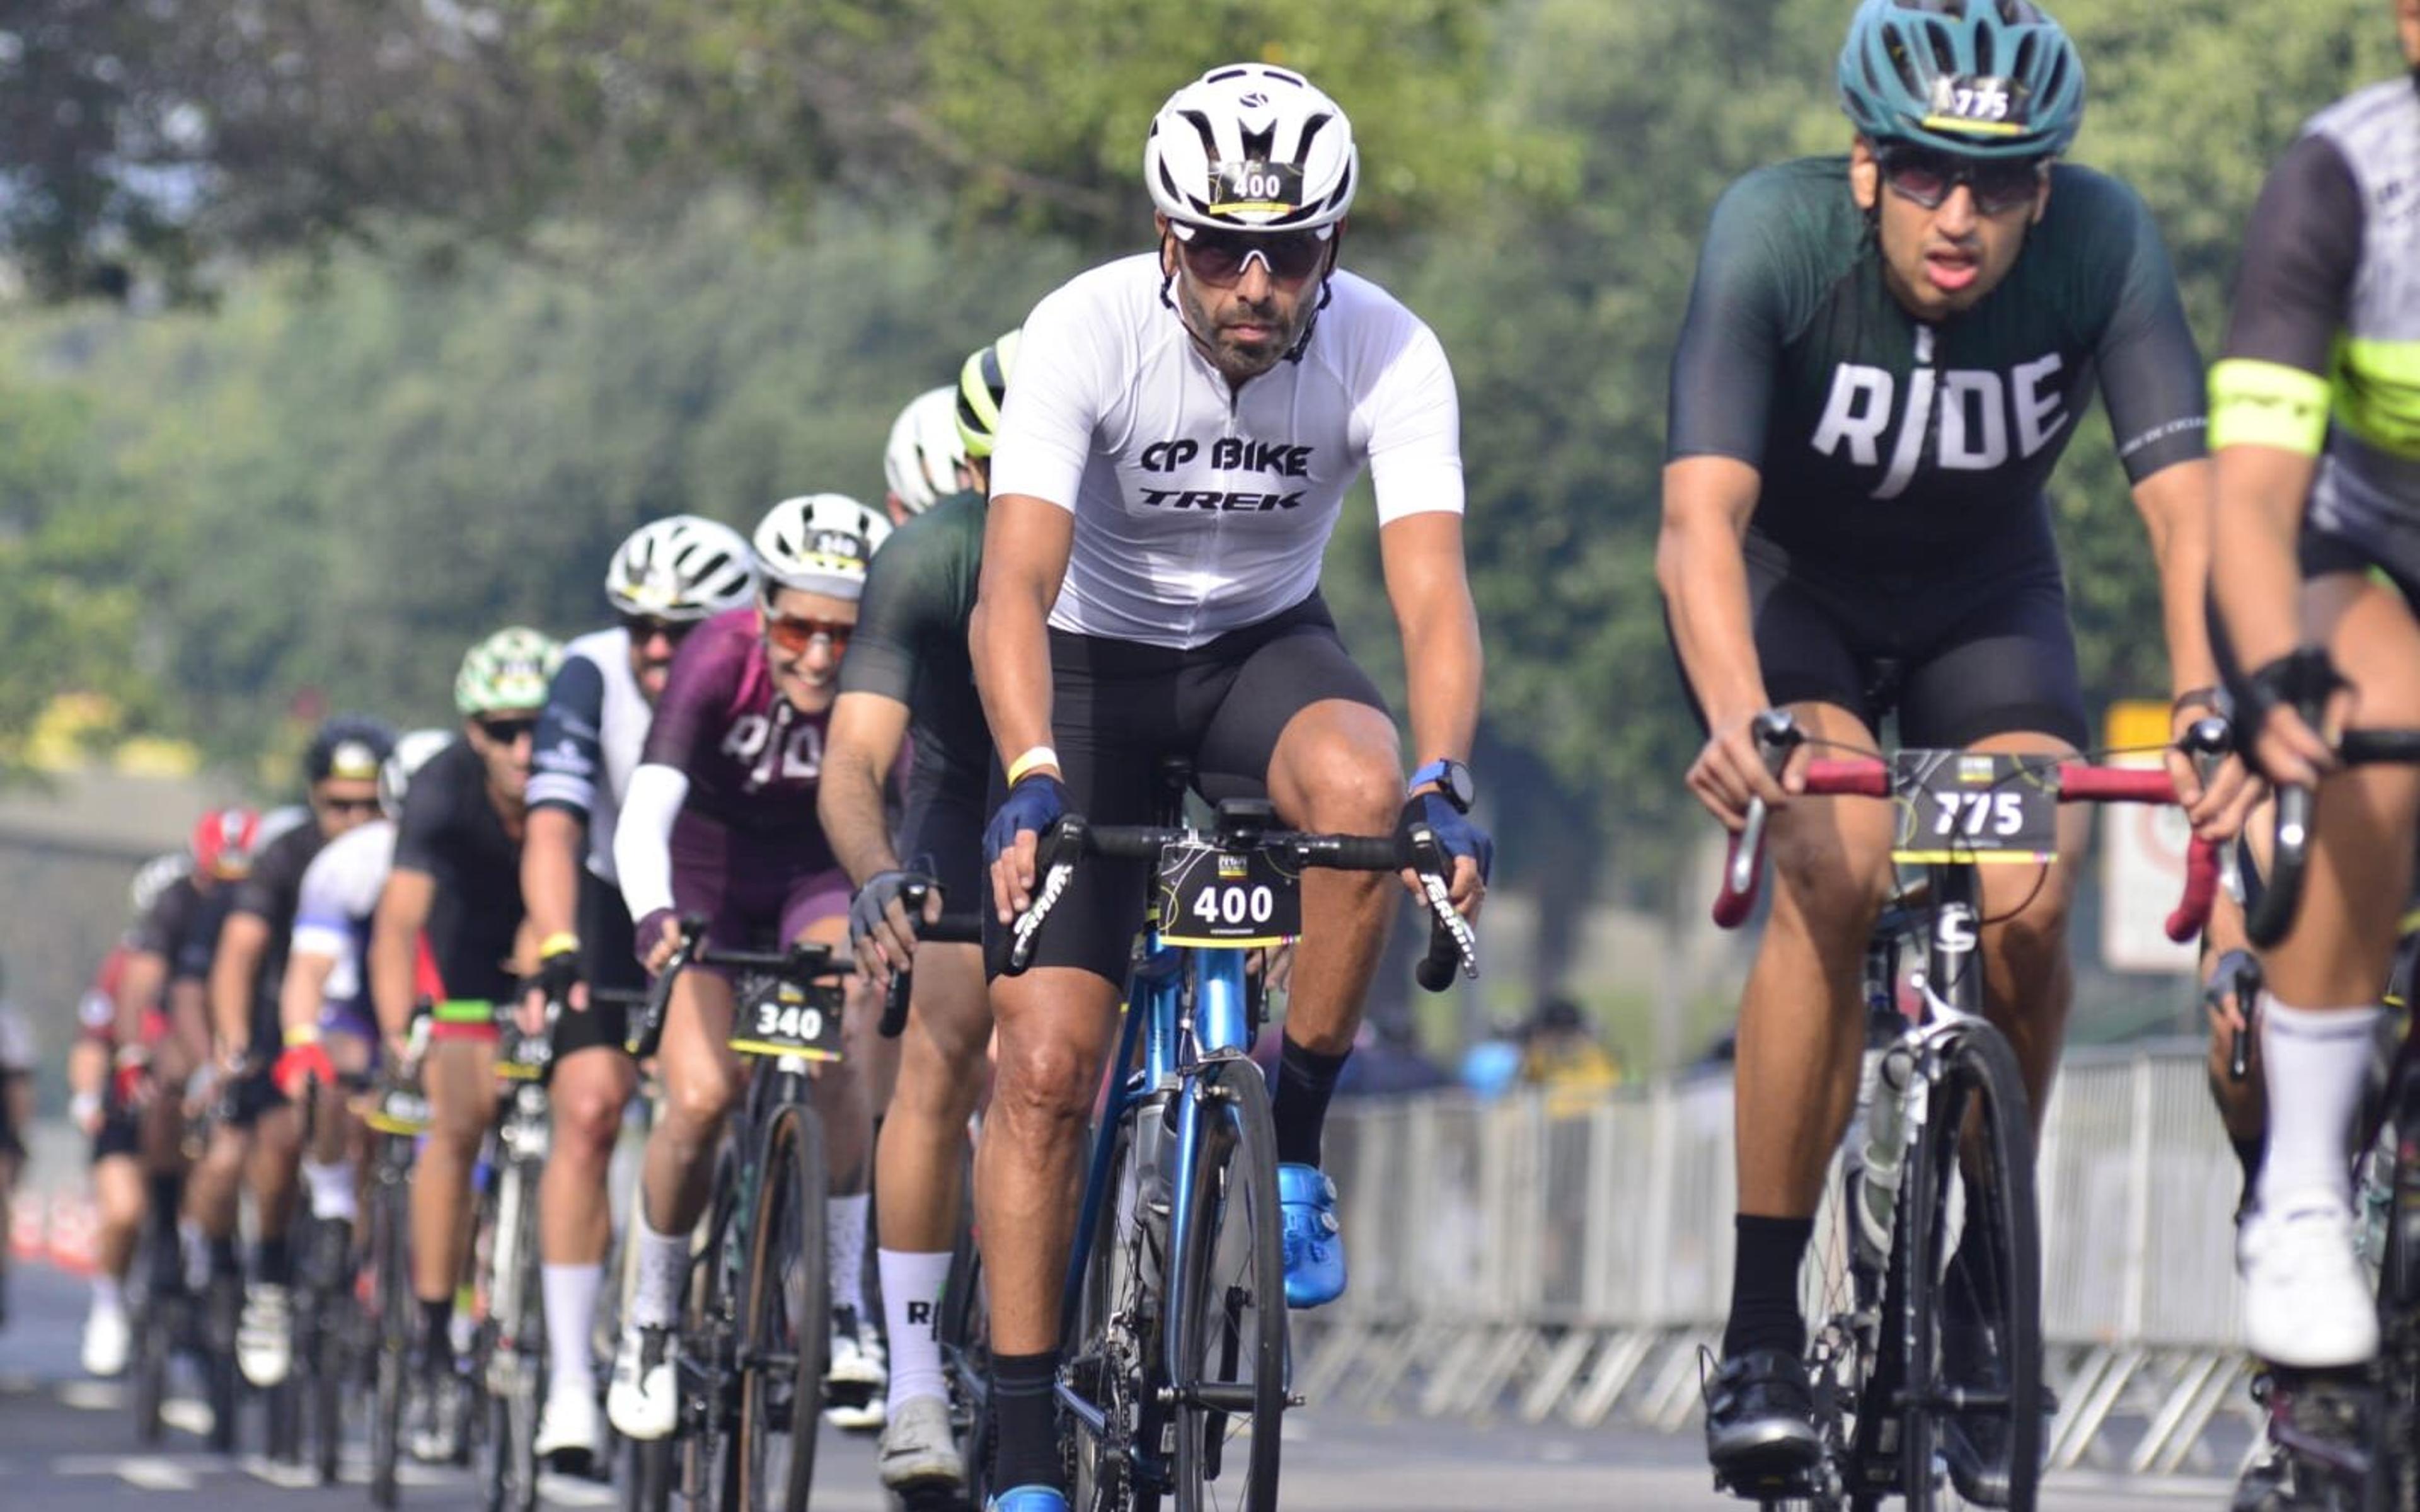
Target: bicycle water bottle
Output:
[{"x": 1875, "y": 1192}]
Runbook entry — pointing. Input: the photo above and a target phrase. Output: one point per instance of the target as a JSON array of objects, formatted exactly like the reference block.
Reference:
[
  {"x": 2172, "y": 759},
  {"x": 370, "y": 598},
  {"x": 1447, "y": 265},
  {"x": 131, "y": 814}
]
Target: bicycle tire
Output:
[
  {"x": 1112, "y": 1351},
  {"x": 1228, "y": 1312},
  {"x": 390, "y": 1255},
  {"x": 515, "y": 1379},
  {"x": 330, "y": 1363},
  {"x": 1979, "y": 1087},
  {"x": 966, "y": 1355},
  {"x": 784, "y": 1313},
  {"x": 222, "y": 1387},
  {"x": 2398, "y": 1296},
  {"x": 154, "y": 1329}
]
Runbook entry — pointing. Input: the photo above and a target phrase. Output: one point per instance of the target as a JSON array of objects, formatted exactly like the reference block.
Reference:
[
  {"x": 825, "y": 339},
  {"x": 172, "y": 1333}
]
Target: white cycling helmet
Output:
[
  {"x": 820, "y": 543},
  {"x": 412, "y": 749},
  {"x": 923, "y": 460},
  {"x": 1251, "y": 148},
  {"x": 680, "y": 567}
]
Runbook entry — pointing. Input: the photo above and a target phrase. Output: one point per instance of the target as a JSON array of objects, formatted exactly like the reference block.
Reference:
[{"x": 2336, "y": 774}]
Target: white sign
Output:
[{"x": 2142, "y": 876}]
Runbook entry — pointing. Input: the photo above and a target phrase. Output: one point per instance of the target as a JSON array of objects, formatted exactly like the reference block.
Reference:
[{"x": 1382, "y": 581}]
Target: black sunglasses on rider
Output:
[
  {"x": 645, "y": 627},
  {"x": 1925, "y": 176},
  {"x": 506, "y": 729},
  {"x": 1218, "y": 257}
]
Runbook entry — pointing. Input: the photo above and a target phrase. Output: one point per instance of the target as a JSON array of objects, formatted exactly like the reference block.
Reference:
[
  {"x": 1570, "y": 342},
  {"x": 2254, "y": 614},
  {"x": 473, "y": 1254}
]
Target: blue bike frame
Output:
[{"x": 1154, "y": 1015}]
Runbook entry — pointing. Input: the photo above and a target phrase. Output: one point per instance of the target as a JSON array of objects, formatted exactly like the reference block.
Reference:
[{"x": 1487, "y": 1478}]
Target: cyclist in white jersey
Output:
[
  {"x": 1170, "y": 464},
  {"x": 323, "y": 1003},
  {"x": 670, "y": 577}
]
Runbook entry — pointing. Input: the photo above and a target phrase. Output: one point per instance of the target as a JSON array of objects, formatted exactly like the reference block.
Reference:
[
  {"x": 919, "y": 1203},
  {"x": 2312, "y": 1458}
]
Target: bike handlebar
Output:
[
  {"x": 1869, "y": 778},
  {"x": 802, "y": 963},
  {"x": 2271, "y": 915},
  {"x": 950, "y": 929},
  {"x": 1070, "y": 839}
]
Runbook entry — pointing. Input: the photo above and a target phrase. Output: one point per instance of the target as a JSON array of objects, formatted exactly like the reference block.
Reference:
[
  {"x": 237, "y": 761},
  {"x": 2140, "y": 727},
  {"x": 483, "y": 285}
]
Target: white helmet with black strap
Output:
[
  {"x": 922, "y": 462},
  {"x": 1251, "y": 148},
  {"x": 820, "y": 543},
  {"x": 681, "y": 567}
]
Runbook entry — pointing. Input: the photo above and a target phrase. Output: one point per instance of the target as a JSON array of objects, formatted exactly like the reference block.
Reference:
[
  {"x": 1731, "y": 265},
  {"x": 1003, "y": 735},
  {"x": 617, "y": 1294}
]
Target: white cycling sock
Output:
[
  {"x": 912, "y": 1284},
  {"x": 570, "y": 1310},
  {"x": 845, "y": 1249},
  {"x": 331, "y": 1190},
  {"x": 2317, "y": 1064},
  {"x": 663, "y": 1265},
  {"x": 108, "y": 1296}
]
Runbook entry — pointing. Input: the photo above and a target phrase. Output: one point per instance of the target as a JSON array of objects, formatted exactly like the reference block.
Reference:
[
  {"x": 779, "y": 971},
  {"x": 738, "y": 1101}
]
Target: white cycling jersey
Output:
[
  {"x": 1200, "y": 509},
  {"x": 589, "y": 738},
  {"x": 339, "y": 894}
]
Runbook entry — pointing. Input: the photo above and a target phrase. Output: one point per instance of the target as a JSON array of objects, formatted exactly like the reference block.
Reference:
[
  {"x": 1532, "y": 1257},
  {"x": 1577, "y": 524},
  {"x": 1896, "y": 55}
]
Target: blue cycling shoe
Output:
[
  {"x": 1314, "y": 1250},
  {"x": 1027, "y": 1499}
]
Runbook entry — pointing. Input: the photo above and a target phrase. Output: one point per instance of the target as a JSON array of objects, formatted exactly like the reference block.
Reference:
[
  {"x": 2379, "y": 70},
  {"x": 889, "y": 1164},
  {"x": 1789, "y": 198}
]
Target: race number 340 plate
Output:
[
  {"x": 1214, "y": 899},
  {"x": 1961, "y": 805},
  {"x": 788, "y": 1021}
]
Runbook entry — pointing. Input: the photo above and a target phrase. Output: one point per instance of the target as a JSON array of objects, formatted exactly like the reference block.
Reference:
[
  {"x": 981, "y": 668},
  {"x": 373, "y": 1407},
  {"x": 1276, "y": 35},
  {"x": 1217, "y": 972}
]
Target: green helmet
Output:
[
  {"x": 509, "y": 669},
  {"x": 1980, "y": 78},
  {"x": 982, "y": 387}
]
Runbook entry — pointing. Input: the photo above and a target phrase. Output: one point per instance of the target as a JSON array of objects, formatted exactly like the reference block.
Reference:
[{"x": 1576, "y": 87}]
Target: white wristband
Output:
[{"x": 1038, "y": 756}]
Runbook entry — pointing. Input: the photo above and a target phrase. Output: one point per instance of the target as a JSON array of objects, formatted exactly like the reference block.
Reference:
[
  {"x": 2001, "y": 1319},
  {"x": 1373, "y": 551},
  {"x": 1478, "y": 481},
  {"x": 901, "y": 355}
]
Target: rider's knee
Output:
[
  {"x": 702, "y": 1099},
  {"x": 1830, "y": 885},
  {"x": 587, "y": 1120},
  {"x": 1051, "y": 1082},
  {"x": 1360, "y": 794}
]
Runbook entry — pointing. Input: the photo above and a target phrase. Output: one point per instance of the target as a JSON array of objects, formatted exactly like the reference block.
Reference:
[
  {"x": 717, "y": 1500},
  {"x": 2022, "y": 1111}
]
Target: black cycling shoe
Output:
[
  {"x": 1760, "y": 1425},
  {"x": 1976, "y": 1445}
]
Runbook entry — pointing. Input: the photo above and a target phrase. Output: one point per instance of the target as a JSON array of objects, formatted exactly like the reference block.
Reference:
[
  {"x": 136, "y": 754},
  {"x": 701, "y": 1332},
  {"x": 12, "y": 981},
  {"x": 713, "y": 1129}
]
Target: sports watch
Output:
[{"x": 1454, "y": 782}]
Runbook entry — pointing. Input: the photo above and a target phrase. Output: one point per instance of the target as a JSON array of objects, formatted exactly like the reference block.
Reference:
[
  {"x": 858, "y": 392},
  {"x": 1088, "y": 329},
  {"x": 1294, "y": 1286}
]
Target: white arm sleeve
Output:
[{"x": 643, "y": 837}]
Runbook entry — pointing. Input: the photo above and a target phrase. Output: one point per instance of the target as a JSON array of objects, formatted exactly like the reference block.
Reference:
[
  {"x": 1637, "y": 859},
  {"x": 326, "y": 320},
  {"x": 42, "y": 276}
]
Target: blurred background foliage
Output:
[{"x": 339, "y": 334}]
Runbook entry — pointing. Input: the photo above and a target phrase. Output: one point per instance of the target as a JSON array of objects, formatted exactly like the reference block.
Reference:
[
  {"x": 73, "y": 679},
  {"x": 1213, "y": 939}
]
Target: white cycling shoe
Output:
[
  {"x": 264, "y": 1339},
  {"x": 2307, "y": 1301},
  {"x": 568, "y": 1427},
  {"x": 644, "y": 1402},
  {"x": 918, "y": 1449},
  {"x": 108, "y": 1339}
]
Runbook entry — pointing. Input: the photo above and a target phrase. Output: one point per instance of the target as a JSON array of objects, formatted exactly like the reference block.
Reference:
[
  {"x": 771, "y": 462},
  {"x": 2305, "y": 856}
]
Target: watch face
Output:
[{"x": 1454, "y": 782}]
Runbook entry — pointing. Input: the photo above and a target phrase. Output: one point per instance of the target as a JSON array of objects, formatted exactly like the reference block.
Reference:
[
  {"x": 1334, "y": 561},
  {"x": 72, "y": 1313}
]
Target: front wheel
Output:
[
  {"x": 1969, "y": 1271},
  {"x": 1228, "y": 1308},
  {"x": 785, "y": 1318},
  {"x": 391, "y": 1293}
]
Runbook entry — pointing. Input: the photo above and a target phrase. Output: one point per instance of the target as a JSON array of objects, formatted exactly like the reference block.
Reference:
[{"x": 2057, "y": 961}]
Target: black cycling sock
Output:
[
  {"x": 2248, "y": 1154},
  {"x": 273, "y": 1262},
  {"x": 167, "y": 1196},
  {"x": 223, "y": 1259},
  {"x": 436, "y": 1324},
  {"x": 1764, "y": 1285},
  {"x": 1306, "y": 1080},
  {"x": 1024, "y": 1399}
]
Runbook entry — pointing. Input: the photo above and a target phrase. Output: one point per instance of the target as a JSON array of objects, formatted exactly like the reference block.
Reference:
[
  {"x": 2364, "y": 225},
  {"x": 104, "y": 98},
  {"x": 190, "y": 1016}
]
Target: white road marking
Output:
[
  {"x": 149, "y": 1472},
  {"x": 92, "y": 1396}
]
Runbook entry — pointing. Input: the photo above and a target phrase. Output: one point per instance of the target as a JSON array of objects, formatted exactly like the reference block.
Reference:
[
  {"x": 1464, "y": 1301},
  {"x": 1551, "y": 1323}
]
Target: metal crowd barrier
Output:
[{"x": 1552, "y": 1260}]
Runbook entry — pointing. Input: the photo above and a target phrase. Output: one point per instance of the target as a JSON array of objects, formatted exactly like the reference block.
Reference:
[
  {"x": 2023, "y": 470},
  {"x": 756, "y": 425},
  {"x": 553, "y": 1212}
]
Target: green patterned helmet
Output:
[
  {"x": 983, "y": 388},
  {"x": 1980, "y": 78},
  {"x": 509, "y": 669}
]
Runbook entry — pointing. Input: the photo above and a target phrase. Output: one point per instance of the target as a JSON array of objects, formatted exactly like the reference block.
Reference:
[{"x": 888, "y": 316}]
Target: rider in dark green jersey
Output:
[{"x": 1883, "y": 357}]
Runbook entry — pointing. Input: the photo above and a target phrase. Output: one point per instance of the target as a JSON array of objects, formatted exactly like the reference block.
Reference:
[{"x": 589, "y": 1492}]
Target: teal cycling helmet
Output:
[{"x": 1980, "y": 78}]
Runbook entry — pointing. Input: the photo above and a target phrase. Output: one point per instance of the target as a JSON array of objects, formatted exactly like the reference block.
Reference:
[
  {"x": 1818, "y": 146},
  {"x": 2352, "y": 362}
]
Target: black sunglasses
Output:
[
  {"x": 1925, "y": 176},
  {"x": 1218, "y": 257},
  {"x": 645, "y": 627},
  {"x": 505, "y": 730},
  {"x": 340, "y": 806}
]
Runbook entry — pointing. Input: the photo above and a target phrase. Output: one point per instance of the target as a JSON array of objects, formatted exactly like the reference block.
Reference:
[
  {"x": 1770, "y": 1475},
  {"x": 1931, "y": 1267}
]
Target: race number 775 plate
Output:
[
  {"x": 1224, "y": 900},
  {"x": 1964, "y": 806}
]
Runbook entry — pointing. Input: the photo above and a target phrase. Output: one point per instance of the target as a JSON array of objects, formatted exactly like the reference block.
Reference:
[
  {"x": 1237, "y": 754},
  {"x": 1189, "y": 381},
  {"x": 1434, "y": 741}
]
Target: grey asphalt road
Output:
[{"x": 67, "y": 1446}]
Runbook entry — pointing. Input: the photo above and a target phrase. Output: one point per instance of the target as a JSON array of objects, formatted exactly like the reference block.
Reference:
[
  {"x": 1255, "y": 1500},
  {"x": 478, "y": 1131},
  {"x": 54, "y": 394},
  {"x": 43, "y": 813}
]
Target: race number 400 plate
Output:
[
  {"x": 1961, "y": 805},
  {"x": 1214, "y": 899},
  {"x": 788, "y": 1021}
]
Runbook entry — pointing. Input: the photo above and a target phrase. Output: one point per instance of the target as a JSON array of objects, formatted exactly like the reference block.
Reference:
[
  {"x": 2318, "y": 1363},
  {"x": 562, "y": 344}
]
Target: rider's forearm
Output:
[
  {"x": 395, "y": 942},
  {"x": 2175, "y": 506},
  {"x": 2255, "y": 575},
  {"x": 1009, "y": 635},
  {"x": 1703, "y": 572},
  {"x": 146, "y": 979},
  {"x": 550, "y": 860},
  {"x": 1442, "y": 661},
  {"x": 303, "y": 992},
  {"x": 243, "y": 942},
  {"x": 848, "y": 800}
]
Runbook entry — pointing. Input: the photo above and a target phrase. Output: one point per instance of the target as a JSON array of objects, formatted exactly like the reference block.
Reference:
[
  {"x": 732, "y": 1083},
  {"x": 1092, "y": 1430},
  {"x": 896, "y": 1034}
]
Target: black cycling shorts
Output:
[
  {"x": 1955, "y": 661},
  {"x": 608, "y": 958},
  {"x": 943, "y": 835},
  {"x": 247, "y": 1097},
  {"x": 116, "y": 1136},
  {"x": 1119, "y": 707}
]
